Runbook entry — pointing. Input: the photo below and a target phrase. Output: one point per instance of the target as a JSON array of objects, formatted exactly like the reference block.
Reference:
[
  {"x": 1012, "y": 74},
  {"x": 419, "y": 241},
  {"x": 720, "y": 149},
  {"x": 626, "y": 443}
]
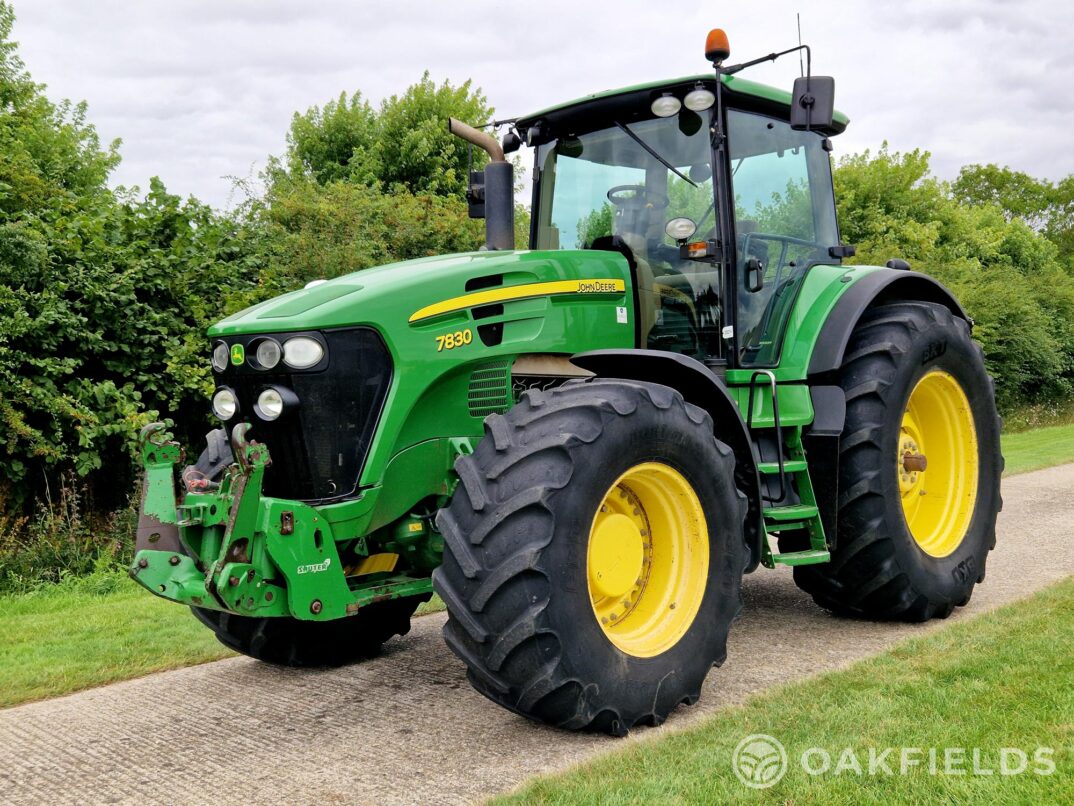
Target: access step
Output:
[
  {"x": 811, "y": 557},
  {"x": 798, "y": 512},
  {"x": 789, "y": 466}
]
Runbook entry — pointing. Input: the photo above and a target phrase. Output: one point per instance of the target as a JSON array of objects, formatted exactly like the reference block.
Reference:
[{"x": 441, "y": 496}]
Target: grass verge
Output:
[
  {"x": 1039, "y": 448},
  {"x": 97, "y": 629},
  {"x": 996, "y": 681},
  {"x": 87, "y": 631}
]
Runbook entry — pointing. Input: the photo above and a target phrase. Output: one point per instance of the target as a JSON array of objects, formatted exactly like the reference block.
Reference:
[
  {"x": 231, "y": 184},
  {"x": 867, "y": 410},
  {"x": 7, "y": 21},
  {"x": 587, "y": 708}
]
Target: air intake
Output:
[{"x": 490, "y": 389}]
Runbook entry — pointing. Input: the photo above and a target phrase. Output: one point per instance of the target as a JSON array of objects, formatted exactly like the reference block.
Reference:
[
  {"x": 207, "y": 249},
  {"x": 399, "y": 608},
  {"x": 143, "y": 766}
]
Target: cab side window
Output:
[{"x": 784, "y": 223}]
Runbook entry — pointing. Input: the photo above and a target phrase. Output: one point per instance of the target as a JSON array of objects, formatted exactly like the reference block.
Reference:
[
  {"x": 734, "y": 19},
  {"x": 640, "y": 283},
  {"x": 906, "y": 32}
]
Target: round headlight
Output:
[
  {"x": 225, "y": 404},
  {"x": 679, "y": 229},
  {"x": 666, "y": 105},
  {"x": 302, "y": 352},
  {"x": 268, "y": 354},
  {"x": 699, "y": 99},
  {"x": 220, "y": 356},
  {"x": 269, "y": 404}
]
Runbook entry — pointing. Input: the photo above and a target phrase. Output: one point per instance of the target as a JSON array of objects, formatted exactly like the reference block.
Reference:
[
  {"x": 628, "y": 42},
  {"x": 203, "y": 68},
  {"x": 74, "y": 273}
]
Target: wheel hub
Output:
[
  {"x": 647, "y": 559},
  {"x": 939, "y": 492},
  {"x": 909, "y": 447},
  {"x": 616, "y": 555}
]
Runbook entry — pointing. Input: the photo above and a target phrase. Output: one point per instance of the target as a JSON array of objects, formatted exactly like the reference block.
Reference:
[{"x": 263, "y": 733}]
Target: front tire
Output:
[
  {"x": 287, "y": 641},
  {"x": 593, "y": 555},
  {"x": 919, "y": 473}
]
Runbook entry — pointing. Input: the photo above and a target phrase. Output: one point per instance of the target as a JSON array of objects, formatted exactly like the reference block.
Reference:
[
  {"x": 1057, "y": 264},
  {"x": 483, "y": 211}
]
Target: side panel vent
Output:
[{"x": 490, "y": 389}]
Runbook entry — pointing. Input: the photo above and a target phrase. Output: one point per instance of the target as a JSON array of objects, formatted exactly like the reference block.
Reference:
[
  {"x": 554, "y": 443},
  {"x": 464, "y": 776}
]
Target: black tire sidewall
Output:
[
  {"x": 947, "y": 347},
  {"x": 646, "y": 435}
]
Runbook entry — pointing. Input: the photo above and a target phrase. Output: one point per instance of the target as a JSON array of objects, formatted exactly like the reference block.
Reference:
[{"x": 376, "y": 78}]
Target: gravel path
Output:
[{"x": 407, "y": 728}]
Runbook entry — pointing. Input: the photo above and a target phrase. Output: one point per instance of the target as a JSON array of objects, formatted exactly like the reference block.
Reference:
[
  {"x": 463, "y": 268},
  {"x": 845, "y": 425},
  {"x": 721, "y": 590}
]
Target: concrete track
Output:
[{"x": 407, "y": 728}]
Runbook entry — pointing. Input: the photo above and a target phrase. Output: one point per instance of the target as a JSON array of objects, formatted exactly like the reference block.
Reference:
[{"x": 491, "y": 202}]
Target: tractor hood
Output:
[
  {"x": 427, "y": 289},
  {"x": 417, "y": 352}
]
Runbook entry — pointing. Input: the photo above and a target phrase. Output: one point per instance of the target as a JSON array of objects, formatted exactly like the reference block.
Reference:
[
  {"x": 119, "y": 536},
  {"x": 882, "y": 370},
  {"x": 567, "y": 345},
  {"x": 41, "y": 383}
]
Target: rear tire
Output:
[
  {"x": 287, "y": 641},
  {"x": 561, "y": 474},
  {"x": 879, "y": 569}
]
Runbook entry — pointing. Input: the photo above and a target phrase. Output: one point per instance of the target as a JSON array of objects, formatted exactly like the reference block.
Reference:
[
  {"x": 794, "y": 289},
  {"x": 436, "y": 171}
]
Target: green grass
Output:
[
  {"x": 1040, "y": 448},
  {"x": 999, "y": 680},
  {"x": 99, "y": 629},
  {"x": 93, "y": 630}
]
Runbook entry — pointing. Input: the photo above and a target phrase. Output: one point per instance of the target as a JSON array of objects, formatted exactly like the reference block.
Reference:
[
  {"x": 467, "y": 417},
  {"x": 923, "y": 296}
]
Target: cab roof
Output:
[{"x": 738, "y": 91}]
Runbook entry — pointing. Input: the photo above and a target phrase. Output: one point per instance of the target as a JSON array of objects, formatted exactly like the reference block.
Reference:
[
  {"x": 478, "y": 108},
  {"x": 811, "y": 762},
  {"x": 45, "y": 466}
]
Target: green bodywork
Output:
[
  {"x": 232, "y": 548},
  {"x": 237, "y": 535}
]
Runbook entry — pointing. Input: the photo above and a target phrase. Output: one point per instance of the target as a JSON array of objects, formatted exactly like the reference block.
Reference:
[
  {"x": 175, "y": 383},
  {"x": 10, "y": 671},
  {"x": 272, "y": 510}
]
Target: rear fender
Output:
[
  {"x": 703, "y": 388},
  {"x": 876, "y": 288}
]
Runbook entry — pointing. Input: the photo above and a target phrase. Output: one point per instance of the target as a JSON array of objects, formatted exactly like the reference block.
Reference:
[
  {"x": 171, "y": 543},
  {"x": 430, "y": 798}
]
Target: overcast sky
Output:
[{"x": 203, "y": 90}]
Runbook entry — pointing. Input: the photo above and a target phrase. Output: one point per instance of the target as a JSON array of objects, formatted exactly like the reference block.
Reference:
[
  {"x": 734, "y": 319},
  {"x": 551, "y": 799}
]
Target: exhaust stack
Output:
[{"x": 491, "y": 192}]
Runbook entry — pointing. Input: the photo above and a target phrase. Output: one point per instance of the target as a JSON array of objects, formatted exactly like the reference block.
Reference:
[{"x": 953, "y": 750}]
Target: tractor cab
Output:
[{"x": 719, "y": 208}]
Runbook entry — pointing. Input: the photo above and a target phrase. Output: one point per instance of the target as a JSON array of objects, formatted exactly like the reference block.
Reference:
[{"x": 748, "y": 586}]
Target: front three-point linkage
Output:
[{"x": 201, "y": 551}]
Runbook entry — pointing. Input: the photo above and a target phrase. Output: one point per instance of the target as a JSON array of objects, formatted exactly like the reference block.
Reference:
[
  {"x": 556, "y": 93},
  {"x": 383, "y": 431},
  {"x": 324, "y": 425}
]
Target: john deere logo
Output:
[{"x": 238, "y": 355}]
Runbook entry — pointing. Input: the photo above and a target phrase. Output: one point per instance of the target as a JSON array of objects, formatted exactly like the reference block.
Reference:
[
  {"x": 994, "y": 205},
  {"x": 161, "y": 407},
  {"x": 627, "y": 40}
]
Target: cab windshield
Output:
[{"x": 617, "y": 188}]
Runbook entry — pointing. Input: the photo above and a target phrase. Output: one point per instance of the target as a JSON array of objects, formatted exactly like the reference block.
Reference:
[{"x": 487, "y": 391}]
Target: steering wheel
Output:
[{"x": 642, "y": 197}]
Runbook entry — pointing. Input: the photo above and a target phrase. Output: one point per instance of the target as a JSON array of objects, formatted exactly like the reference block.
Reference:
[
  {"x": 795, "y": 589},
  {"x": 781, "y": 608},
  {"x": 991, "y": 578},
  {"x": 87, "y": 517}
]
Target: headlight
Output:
[
  {"x": 225, "y": 404},
  {"x": 220, "y": 356},
  {"x": 666, "y": 105},
  {"x": 699, "y": 99},
  {"x": 267, "y": 354},
  {"x": 679, "y": 229},
  {"x": 302, "y": 352},
  {"x": 274, "y": 402},
  {"x": 269, "y": 404}
]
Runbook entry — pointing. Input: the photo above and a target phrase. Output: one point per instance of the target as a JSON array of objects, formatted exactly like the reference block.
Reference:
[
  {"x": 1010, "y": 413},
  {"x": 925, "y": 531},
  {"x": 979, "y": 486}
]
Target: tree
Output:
[
  {"x": 1046, "y": 207},
  {"x": 336, "y": 141},
  {"x": 103, "y": 296},
  {"x": 402, "y": 145},
  {"x": 1008, "y": 276},
  {"x": 596, "y": 224},
  {"x": 304, "y": 231},
  {"x": 49, "y": 151},
  {"x": 417, "y": 151}
]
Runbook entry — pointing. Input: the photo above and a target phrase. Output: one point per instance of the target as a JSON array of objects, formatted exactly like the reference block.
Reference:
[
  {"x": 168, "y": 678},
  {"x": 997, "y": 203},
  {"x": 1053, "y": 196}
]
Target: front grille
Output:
[{"x": 318, "y": 451}]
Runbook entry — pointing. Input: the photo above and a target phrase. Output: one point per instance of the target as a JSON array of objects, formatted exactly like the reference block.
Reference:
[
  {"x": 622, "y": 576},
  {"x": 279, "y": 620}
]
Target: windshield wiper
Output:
[{"x": 653, "y": 154}]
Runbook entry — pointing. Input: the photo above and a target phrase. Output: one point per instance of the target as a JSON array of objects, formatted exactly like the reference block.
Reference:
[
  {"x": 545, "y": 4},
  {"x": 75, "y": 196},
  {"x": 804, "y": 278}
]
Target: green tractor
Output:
[{"x": 582, "y": 446}]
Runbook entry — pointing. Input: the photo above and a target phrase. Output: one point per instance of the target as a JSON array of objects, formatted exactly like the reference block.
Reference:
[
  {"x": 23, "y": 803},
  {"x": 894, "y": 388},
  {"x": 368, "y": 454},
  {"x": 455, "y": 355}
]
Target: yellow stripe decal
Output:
[{"x": 515, "y": 292}]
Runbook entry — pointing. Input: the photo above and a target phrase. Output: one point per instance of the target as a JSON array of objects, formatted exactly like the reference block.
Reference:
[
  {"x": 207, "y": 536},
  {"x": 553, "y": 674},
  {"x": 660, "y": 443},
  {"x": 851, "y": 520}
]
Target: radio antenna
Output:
[{"x": 801, "y": 68}]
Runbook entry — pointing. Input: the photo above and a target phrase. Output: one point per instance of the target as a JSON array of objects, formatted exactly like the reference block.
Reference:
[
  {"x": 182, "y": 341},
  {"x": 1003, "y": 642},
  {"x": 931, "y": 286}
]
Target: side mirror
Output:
[{"x": 813, "y": 103}]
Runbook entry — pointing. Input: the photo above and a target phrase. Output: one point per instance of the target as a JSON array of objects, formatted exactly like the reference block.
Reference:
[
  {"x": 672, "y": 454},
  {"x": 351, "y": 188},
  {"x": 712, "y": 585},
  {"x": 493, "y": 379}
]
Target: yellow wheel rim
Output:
[
  {"x": 937, "y": 463},
  {"x": 648, "y": 559}
]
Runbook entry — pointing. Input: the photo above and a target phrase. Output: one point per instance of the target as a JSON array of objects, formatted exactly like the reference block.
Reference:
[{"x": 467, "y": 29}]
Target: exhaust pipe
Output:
[{"x": 498, "y": 192}]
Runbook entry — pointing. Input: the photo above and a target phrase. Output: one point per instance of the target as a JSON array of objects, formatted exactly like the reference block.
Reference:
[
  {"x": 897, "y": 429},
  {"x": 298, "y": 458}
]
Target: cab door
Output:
[{"x": 784, "y": 223}]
